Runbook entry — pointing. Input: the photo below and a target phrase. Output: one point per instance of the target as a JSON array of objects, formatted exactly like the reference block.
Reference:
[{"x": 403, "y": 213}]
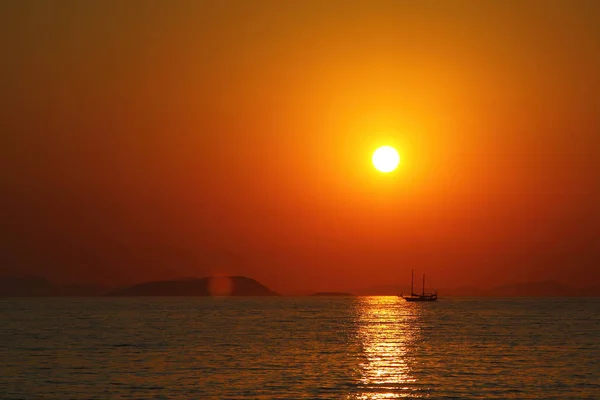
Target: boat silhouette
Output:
[{"x": 416, "y": 296}]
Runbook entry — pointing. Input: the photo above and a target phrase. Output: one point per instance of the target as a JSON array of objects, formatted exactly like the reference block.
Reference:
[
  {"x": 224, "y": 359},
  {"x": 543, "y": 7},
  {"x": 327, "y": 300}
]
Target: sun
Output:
[{"x": 386, "y": 159}]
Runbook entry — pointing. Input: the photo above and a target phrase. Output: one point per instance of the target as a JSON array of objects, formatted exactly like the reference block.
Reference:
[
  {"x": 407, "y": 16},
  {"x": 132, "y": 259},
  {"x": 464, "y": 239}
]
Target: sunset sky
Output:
[{"x": 145, "y": 140}]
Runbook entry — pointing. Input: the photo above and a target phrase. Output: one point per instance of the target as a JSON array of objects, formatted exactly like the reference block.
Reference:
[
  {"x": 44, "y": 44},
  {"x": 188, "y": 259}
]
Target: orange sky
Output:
[{"x": 151, "y": 139}]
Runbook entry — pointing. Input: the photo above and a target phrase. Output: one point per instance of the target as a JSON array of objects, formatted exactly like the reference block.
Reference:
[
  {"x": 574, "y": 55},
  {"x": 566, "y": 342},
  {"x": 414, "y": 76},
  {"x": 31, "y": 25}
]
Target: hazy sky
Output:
[{"x": 158, "y": 139}]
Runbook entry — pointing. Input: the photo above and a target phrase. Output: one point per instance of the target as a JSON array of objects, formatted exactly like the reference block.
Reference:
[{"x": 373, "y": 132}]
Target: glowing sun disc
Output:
[{"x": 386, "y": 159}]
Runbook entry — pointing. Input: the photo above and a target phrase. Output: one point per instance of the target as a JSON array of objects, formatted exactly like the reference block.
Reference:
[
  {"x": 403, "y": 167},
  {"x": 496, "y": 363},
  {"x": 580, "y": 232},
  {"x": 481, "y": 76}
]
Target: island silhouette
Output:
[
  {"x": 332, "y": 294},
  {"x": 11, "y": 286},
  {"x": 209, "y": 286}
]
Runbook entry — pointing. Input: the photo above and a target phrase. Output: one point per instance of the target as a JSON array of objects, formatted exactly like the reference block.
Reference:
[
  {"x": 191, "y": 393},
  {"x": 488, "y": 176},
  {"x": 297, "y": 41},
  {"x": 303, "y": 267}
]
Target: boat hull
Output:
[
  {"x": 420, "y": 298},
  {"x": 423, "y": 296}
]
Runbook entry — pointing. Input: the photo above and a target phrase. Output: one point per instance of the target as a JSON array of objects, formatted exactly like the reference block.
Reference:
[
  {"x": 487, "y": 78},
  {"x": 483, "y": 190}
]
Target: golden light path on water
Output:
[{"x": 388, "y": 332}]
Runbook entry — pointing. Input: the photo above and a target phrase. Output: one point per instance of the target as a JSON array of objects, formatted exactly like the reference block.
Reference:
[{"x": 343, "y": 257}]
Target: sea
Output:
[{"x": 299, "y": 348}]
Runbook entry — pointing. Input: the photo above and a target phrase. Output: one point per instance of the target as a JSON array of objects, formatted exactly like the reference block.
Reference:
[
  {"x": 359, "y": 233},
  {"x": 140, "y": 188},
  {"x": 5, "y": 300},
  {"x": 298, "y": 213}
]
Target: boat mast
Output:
[
  {"x": 412, "y": 280},
  {"x": 423, "y": 284}
]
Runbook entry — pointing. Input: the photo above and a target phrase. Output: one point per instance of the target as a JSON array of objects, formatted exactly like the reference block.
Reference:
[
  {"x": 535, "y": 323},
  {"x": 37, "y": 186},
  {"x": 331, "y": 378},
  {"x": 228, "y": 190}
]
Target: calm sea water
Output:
[{"x": 320, "y": 348}]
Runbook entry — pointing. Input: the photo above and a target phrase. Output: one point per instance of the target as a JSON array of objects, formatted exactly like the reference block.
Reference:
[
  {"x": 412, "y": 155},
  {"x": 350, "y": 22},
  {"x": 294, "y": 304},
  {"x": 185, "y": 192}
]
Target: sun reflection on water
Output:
[{"x": 388, "y": 331}]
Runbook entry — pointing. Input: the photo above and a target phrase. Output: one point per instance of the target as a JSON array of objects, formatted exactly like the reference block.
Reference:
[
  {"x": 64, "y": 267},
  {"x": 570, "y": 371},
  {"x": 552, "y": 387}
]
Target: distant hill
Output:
[
  {"x": 534, "y": 289},
  {"x": 27, "y": 286},
  {"x": 524, "y": 289},
  {"x": 332, "y": 294},
  {"x": 82, "y": 290},
  {"x": 217, "y": 286},
  {"x": 41, "y": 287},
  {"x": 243, "y": 286},
  {"x": 464, "y": 291}
]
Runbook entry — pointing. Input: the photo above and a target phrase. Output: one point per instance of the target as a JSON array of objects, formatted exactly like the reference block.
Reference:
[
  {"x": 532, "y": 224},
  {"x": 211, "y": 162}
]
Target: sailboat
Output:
[{"x": 419, "y": 297}]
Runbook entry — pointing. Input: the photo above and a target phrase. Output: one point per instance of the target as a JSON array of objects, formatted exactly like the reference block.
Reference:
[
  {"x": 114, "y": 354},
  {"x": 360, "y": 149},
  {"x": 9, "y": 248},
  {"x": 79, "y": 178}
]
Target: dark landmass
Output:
[
  {"x": 465, "y": 291},
  {"x": 42, "y": 287},
  {"x": 221, "y": 286},
  {"x": 332, "y": 294},
  {"x": 539, "y": 289},
  {"x": 526, "y": 289},
  {"x": 243, "y": 286},
  {"x": 299, "y": 293},
  {"x": 82, "y": 290},
  {"x": 225, "y": 286}
]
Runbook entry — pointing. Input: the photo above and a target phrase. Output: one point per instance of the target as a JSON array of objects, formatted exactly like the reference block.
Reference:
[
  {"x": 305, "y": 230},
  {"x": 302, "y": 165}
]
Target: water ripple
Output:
[{"x": 289, "y": 348}]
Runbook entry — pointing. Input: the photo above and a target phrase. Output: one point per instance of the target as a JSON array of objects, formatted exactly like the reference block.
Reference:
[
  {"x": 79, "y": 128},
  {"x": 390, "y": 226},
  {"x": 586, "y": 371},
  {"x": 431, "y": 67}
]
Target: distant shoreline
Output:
[
  {"x": 245, "y": 286},
  {"x": 332, "y": 294}
]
